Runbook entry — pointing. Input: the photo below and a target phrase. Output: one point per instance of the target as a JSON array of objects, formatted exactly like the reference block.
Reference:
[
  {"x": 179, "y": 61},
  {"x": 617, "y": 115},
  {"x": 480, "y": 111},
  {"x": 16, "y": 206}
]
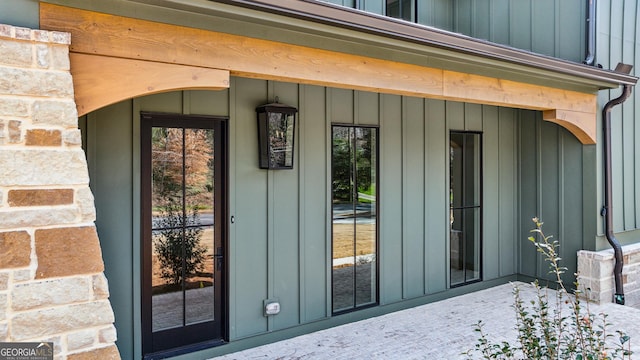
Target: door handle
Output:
[{"x": 219, "y": 259}]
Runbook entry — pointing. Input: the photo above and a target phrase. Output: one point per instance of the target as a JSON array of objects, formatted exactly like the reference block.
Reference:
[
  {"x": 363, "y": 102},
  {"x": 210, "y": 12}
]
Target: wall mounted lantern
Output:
[{"x": 276, "y": 130}]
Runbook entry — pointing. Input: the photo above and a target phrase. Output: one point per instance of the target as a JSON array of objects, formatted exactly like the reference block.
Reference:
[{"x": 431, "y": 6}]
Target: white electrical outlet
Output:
[{"x": 271, "y": 307}]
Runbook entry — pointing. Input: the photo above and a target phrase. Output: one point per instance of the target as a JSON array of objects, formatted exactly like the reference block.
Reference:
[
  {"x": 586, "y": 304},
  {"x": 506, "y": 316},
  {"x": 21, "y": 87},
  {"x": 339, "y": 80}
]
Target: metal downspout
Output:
[
  {"x": 591, "y": 33},
  {"x": 607, "y": 208}
]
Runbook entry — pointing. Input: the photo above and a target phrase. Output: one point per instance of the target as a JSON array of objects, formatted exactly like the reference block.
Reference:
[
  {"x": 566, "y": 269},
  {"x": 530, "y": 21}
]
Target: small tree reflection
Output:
[{"x": 178, "y": 243}]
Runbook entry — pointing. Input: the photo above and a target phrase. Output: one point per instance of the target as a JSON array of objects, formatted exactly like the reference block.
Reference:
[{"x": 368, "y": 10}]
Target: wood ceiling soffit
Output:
[{"x": 121, "y": 37}]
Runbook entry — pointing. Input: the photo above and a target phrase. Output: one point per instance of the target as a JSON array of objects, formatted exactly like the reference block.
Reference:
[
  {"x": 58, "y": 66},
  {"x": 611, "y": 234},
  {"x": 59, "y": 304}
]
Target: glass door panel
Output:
[
  {"x": 167, "y": 228},
  {"x": 183, "y": 230},
  {"x": 200, "y": 234}
]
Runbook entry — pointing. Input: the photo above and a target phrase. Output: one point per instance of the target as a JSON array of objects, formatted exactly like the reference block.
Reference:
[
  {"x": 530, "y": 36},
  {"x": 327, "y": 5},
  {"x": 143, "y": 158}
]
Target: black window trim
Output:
[
  {"x": 480, "y": 206},
  {"x": 377, "y": 174}
]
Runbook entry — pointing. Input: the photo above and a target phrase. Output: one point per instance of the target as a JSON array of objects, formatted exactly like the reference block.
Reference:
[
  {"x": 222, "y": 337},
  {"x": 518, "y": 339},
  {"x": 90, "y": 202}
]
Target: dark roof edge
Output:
[{"x": 335, "y": 15}]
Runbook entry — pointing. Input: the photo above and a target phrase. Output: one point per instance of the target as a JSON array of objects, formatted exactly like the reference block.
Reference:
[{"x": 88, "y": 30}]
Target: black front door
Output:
[{"x": 183, "y": 231}]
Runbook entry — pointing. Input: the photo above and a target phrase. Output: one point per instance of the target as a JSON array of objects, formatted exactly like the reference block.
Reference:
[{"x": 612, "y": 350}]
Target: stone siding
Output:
[
  {"x": 52, "y": 285},
  {"x": 595, "y": 271}
]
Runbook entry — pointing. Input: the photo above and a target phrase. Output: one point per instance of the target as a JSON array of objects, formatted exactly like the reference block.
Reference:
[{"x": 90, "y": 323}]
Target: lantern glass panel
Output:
[
  {"x": 281, "y": 139},
  {"x": 276, "y": 138}
]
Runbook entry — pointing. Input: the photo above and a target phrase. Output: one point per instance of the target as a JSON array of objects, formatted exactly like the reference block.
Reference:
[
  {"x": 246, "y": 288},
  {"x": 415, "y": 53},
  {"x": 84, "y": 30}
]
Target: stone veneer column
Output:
[
  {"x": 52, "y": 285},
  {"x": 595, "y": 269}
]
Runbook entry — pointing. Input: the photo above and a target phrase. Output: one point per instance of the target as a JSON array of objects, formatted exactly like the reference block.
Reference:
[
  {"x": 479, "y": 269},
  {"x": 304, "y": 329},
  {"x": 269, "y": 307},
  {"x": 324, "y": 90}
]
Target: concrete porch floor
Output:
[{"x": 439, "y": 330}]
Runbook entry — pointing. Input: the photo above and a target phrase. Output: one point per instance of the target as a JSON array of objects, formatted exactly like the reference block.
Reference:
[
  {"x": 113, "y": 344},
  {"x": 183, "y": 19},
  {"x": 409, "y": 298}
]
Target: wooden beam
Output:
[
  {"x": 492, "y": 91},
  {"x": 99, "y": 81},
  {"x": 127, "y": 38},
  {"x": 116, "y": 36}
]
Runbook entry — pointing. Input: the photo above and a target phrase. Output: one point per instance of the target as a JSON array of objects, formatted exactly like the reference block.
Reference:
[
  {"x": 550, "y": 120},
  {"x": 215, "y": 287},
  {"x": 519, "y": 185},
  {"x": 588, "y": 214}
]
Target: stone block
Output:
[
  {"x": 15, "y": 53},
  {"x": 33, "y": 167},
  {"x": 60, "y": 57},
  {"x": 23, "y": 33},
  {"x": 60, "y": 319},
  {"x": 80, "y": 339},
  {"x": 6, "y": 31},
  {"x": 584, "y": 267},
  {"x": 4, "y": 331},
  {"x": 15, "y": 81},
  {"x": 3, "y": 306},
  {"x": 16, "y": 249},
  {"x": 107, "y": 335},
  {"x": 105, "y": 353},
  {"x": 100, "y": 287},
  {"x": 15, "y": 131},
  {"x": 43, "y": 137},
  {"x": 85, "y": 200},
  {"x": 37, "y": 217},
  {"x": 4, "y": 280},
  {"x": 33, "y": 295},
  {"x": 72, "y": 137},
  {"x": 634, "y": 257},
  {"x": 40, "y": 35},
  {"x": 40, "y": 197},
  {"x": 68, "y": 251},
  {"x": 22, "y": 275},
  {"x": 58, "y": 37},
  {"x": 42, "y": 56},
  {"x": 14, "y": 107},
  {"x": 605, "y": 268},
  {"x": 55, "y": 112}
]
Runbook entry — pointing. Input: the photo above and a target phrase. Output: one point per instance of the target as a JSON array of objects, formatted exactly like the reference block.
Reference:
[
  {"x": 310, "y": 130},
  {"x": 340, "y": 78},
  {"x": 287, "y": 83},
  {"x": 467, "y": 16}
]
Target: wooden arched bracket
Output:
[
  {"x": 99, "y": 80},
  {"x": 581, "y": 125}
]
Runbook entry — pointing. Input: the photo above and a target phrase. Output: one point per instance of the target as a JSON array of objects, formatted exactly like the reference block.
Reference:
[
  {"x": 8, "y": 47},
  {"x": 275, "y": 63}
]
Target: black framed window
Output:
[
  {"x": 465, "y": 207},
  {"x": 401, "y": 9},
  {"x": 347, "y": 3},
  {"x": 354, "y": 174}
]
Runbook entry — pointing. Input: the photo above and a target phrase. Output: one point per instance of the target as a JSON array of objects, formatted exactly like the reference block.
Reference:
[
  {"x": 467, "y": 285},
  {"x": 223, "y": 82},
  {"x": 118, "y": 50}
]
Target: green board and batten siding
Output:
[
  {"x": 280, "y": 243},
  {"x": 551, "y": 27},
  {"x": 531, "y": 25},
  {"x": 618, "y": 40},
  {"x": 557, "y": 28},
  {"x": 556, "y": 173}
]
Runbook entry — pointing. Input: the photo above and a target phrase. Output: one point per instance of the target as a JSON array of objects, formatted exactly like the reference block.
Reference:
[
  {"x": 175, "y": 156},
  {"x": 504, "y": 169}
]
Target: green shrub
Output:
[{"x": 564, "y": 331}]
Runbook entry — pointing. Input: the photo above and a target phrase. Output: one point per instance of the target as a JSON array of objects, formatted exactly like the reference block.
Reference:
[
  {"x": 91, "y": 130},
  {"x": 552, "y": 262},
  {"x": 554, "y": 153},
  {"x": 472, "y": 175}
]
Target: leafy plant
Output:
[
  {"x": 553, "y": 332},
  {"x": 178, "y": 243}
]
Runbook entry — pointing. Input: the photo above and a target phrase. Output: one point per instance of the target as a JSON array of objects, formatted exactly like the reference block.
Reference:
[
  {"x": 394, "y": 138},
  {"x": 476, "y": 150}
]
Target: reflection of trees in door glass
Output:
[
  {"x": 182, "y": 196},
  {"x": 177, "y": 244},
  {"x": 182, "y": 188},
  {"x": 167, "y": 147}
]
